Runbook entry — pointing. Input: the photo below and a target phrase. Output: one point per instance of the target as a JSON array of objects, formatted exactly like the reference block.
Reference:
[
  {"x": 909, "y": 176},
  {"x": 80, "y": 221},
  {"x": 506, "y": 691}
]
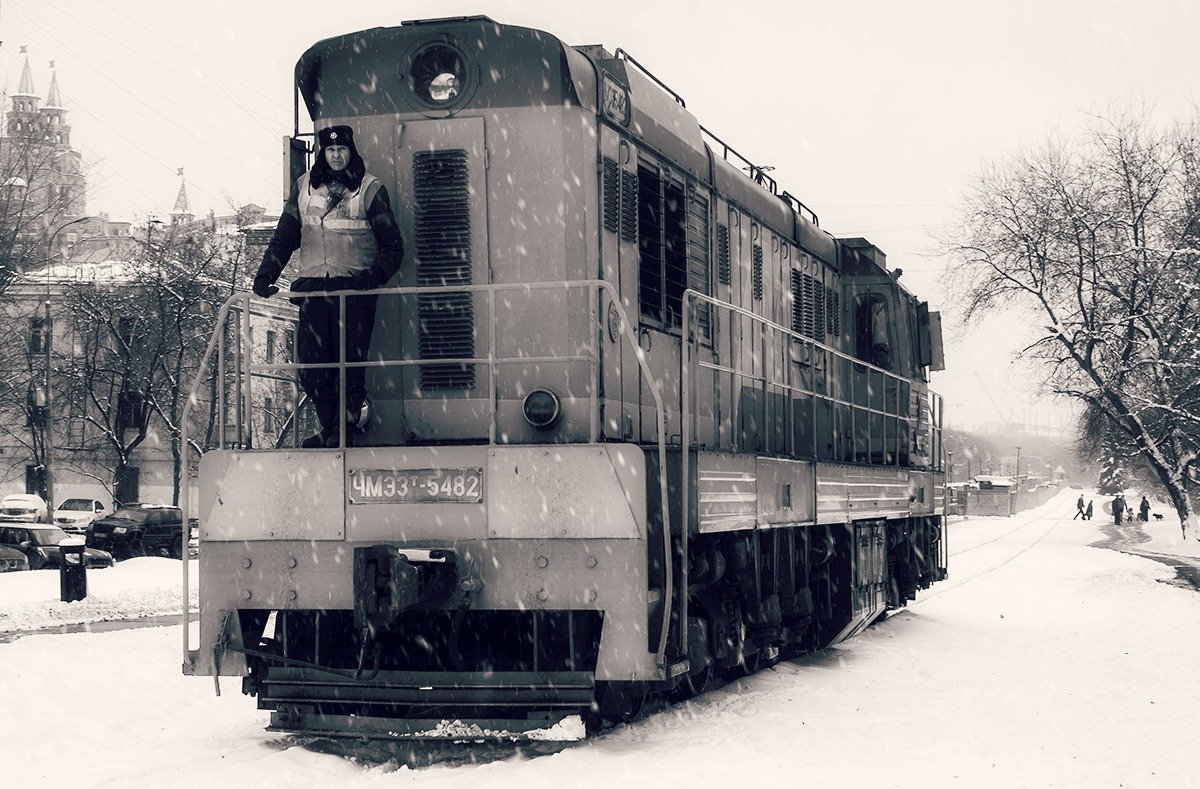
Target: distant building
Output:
[{"x": 43, "y": 181}]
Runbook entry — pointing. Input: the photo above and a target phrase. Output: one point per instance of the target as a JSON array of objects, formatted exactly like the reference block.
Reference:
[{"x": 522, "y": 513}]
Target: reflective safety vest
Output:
[{"x": 337, "y": 243}]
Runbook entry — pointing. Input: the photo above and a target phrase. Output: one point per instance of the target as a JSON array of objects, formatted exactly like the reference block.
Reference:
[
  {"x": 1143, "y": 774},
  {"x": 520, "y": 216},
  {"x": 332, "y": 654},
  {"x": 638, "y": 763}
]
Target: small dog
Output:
[{"x": 1157, "y": 516}]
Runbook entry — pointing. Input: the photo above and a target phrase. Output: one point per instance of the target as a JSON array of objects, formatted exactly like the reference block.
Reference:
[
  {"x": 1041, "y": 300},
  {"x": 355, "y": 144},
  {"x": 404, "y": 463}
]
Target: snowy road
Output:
[{"x": 1043, "y": 661}]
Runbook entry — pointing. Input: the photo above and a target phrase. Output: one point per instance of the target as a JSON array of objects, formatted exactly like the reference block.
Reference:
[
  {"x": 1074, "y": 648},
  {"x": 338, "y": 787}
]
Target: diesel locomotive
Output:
[{"x": 636, "y": 422}]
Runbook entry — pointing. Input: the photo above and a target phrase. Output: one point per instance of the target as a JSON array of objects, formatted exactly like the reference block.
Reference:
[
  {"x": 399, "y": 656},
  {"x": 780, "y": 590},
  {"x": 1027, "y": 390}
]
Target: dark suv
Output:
[{"x": 139, "y": 530}]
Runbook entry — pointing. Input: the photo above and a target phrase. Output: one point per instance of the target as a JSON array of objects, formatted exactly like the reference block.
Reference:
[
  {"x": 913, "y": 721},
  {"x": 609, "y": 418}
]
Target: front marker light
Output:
[{"x": 542, "y": 408}]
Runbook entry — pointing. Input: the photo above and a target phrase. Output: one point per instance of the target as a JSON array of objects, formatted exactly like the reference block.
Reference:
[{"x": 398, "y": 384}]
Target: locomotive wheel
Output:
[
  {"x": 622, "y": 702},
  {"x": 635, "y": 703},
  {"x": 750, "y": 664},
  {"x": 693, "y": 684}
]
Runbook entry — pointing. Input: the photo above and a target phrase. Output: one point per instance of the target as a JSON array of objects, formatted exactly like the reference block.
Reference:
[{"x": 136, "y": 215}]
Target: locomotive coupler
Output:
[{"x": 389, "y": 579}]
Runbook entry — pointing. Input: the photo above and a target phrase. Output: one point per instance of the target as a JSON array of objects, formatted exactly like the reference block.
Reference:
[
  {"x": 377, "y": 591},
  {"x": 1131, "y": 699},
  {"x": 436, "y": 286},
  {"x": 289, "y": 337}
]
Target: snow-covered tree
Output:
[{"x": 1098, "y": 238}]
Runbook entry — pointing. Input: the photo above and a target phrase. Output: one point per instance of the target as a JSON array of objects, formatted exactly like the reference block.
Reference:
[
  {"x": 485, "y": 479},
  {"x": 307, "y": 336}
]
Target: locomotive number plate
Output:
[{"x": 416, "y": 485}]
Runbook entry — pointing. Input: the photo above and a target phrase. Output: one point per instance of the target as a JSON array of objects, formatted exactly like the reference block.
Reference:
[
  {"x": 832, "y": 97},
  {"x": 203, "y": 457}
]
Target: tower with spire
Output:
[
  {"x": 181, "y": 214},
  {"x": 37, "y": 152}
]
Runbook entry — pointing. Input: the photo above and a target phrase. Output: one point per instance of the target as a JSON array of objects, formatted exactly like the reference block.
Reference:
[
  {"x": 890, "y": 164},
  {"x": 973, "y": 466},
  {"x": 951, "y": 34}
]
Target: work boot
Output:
[
  {"x": 320, "y": 440},
  {"x": 353, "y": 435}
]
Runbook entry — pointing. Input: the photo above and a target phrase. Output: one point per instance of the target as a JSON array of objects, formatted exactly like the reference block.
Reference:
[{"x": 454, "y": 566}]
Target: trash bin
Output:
[{"x": 72, "y": 573}]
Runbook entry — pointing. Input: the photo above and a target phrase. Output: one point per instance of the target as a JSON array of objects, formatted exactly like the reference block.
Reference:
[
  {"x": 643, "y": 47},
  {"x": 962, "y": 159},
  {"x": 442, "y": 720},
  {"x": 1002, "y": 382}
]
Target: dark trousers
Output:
[{"x": 317, "y": 341}]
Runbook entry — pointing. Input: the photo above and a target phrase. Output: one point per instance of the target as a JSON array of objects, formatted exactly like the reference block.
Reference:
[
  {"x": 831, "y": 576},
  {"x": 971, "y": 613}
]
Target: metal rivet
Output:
[
  {"x": 592, "y": 595},
  {"x": 292, "y": 595},
  {"x": 543, "y": 595},
  {"x": 542, "y": 561},
  {"x": 246, "y": 594},
  {"x": 246, "y": 562},
  {"x": 591, "y": 562},
  {"x": 292, "y": 562}
]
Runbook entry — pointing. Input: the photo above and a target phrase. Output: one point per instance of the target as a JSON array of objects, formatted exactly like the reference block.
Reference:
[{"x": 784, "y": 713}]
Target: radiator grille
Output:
[{"x": 446, "y": 322}]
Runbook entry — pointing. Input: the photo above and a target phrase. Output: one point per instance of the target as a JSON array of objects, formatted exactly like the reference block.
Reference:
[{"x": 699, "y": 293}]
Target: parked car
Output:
[
  {"x": 23, "y": 507},
  {"x": 39, "y": 544},
  {"x": 74, "y": 515},
  {"x": 139, "y": 530},
  {"x": 12, "y": 560}
]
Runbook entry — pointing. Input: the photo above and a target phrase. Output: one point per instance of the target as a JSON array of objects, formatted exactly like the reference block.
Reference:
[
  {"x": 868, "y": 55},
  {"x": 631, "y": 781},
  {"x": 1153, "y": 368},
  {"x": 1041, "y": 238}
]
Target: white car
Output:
[
  {"x": 75, "y": 515},
  {"x": 23, "y": 507}
]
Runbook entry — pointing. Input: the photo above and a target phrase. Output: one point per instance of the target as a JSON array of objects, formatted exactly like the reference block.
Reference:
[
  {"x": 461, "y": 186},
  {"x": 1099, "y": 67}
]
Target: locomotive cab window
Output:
[
  {"x": 662, "y": 247},
  {"x": 872, "y": 333}
]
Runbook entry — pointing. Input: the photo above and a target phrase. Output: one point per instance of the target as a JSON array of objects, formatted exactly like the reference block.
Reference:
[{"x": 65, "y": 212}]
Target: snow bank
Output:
[{"x": 148, "y": 586}]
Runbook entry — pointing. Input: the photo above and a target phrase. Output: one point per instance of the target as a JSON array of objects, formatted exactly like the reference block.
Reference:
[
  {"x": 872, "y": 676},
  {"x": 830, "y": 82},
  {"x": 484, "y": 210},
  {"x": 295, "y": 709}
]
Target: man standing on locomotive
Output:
[{"x": 340, "y": 219}]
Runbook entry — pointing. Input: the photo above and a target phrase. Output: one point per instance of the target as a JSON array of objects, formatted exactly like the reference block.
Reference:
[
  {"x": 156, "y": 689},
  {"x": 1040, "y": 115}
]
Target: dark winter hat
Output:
[{"x": 336, "y": 135}]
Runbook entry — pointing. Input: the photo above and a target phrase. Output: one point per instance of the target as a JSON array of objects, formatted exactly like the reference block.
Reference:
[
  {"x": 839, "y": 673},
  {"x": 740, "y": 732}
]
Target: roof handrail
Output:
[
  {"x": 757, "y": 173},
  {"x": 623, "y": 55},
  {"x": 800, "y": 207}
]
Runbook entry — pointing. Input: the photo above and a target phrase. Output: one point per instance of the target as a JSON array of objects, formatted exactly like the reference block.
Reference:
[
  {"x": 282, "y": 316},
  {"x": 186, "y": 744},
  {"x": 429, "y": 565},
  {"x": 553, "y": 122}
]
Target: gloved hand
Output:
[{"x": 264, "y": 289}]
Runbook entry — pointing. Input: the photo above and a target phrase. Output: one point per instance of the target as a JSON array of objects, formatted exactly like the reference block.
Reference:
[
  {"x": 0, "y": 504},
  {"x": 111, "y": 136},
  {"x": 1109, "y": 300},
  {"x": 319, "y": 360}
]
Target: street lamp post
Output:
[
  {"x": 48, "y": 424},
  {"x": 1018, "y": 464}
]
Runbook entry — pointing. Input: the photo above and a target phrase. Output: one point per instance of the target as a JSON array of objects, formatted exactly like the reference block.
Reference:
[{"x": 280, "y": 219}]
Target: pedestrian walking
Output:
[
  {"x": 1144, "y": 510},
  {"x": 1118, "y": 508},
  {"x": 1087, "y": 515},
  {"x": 1079, "y": 508}
]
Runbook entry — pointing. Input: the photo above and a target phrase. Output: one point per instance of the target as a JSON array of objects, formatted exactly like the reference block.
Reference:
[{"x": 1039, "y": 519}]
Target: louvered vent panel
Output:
[
  {"x": 612, "y": 195},
  {"x": 723, "y": 269},
  {"x": 446, "y": 322},
  {"x": 810, "y": 300},
  {"x": 697, "y": 254},
  {"x": 756, "y": 272},
  {"x": 833, "y": 312},
  {"x": 797, "y": 302},
  {"x": 629, "y": 206},
  {"x": 819, "y": 310}
]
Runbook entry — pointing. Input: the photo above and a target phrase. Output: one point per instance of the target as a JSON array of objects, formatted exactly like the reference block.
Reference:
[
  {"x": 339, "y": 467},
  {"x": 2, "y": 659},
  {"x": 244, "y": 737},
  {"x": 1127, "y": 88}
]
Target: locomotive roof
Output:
[{"x": 529, "y": 67}]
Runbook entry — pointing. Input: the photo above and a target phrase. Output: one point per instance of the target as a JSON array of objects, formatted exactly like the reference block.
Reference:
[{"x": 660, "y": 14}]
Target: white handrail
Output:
[{"x": 248, "y": 369}]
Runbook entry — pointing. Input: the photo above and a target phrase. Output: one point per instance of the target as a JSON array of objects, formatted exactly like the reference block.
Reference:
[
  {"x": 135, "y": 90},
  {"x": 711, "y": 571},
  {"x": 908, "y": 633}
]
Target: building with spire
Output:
[
  {"x": 181, "y": 214},
  {"x": 41, "y": 174},
  {"x": 39, "y": 162}
]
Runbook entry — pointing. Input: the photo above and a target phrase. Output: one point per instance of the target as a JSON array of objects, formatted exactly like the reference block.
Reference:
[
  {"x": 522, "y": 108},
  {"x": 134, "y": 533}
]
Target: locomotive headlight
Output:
[
  {"x": 443, "y": 87},
  {"x": 438, "y": 73},
  {"x": 542, "y": 408}
]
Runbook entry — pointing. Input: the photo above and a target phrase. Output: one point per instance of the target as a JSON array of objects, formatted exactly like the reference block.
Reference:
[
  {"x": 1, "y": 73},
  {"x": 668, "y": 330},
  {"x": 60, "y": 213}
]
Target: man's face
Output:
[{"x": 337, "y": 157}]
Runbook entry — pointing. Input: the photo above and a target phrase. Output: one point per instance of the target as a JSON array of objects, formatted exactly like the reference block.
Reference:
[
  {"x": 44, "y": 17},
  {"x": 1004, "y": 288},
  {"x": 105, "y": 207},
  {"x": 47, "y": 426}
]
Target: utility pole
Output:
[
  {"x": 48, "y": 425},
  {"x": 1018, "y": 464}
]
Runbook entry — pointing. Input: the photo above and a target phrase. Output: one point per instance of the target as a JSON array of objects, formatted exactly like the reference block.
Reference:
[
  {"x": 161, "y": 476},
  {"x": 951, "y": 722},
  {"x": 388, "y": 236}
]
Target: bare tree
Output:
[
  {"x": 35, "y": 195},
  {"x": 139, "y": 339},
  {"x": 1098, "y": 239}
]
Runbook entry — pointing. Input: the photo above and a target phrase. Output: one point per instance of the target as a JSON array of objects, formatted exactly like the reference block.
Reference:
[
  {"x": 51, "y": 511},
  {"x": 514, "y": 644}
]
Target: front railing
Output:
[{"x": 602, "y": 298}]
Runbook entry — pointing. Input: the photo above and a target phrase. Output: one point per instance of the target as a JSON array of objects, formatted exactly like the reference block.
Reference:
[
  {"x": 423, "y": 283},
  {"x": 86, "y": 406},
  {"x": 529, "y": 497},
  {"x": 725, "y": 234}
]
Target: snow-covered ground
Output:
[{"x": 1042, "y": 661}]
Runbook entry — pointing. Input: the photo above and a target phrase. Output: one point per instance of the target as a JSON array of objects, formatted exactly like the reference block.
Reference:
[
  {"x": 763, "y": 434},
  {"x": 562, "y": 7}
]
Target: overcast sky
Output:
[{"x": 873, "y": 113}]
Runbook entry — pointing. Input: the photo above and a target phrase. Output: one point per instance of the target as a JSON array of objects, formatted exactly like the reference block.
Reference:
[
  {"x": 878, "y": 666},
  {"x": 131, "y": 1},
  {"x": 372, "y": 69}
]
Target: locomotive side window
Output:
[
  {"x": 662, "y": 246},
  {"x": 872, "y": 338},
  {"x": 650, "y": 246},
  {"x": 697, "y": 254}
]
